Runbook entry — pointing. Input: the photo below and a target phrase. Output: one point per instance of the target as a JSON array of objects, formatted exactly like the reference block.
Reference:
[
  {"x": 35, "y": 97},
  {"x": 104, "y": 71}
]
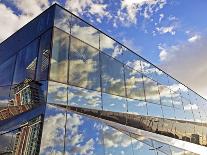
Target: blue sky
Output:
[{"x": 169, "y": 33}]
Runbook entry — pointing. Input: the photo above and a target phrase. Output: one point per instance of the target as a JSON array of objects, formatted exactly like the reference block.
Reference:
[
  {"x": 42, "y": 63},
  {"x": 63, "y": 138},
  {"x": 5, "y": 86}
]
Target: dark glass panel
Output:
[
  {"x": 44, "y": 55},
  {"x": 59, "y": 58},
  {"x": 84, "y": 65},
  {"x": 134, "y": 84},
  {"x": 57, "y": 93},
  {"x": 4, "y": 96},
  {"x": 151, "y": 90},
  {"x": 22, "y": 140},
  {"x": 53, "y": 134},
  {"x": 84, "y": 32},
  {"x": 114, "y": 103},
  {"x": 81, "y": 97},
  {"x": 6, "y": 76},
  {"x": 26, "y": 34},
  {"x": 116, "y": 142},
  {"x": 83, "y": 135},
  {"x": 26, "y": 63},
  {"x": 112, "y": 76}
]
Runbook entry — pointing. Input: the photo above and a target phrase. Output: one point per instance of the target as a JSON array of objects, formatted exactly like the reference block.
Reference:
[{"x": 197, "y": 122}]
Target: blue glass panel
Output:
[
  {"x": 83, "y": 135},
  {"x": 116, "y": 142},
  {"x": 26, "y": 63},
  {"x": 81, "y": 97},
  {"x": 6, "y": 76},
  {"x": 57, "y": 93},
  {"x": 53, "y": 131},
  {"x": 114, "y": 103},
  {"x": 112, "y": 76}
]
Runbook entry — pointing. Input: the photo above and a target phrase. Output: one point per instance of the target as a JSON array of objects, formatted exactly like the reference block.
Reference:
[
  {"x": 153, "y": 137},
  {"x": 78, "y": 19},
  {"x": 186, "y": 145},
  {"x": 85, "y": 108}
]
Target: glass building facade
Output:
[{"x": 68, "y": 88}]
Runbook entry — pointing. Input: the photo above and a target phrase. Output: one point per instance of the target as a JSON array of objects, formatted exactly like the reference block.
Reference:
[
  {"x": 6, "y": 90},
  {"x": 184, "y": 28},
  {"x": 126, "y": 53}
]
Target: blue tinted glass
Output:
[
  {"x": 43, "y": 57},
  {"x": 6, "y": 76},
  {"x": 26, "y": 63}
]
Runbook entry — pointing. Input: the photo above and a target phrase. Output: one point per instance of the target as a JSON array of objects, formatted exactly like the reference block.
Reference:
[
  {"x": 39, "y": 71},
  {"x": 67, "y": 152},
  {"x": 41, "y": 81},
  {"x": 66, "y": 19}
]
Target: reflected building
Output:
[{"x": 68, "y": 88}]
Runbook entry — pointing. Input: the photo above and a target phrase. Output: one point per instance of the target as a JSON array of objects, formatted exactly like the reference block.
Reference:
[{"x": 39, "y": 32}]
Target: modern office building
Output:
[{"x": 68, "y": 88}]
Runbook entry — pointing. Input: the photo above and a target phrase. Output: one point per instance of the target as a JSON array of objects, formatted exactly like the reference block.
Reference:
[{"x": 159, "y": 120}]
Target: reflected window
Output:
[
  {"x": 59, "y": 58},
  {"x": 84, "y": 65},
  {"x": 6, "y": 76},
  {"x": 112, "y": 76},
  {"x": 83, "y": 135},
  {"x": 137, "y": 107},
  {"x": 81, "y": 97},
  {"x": 57, "y": 93},
  {"x": 114, "y": 103},
  {"x": 116, "y": 142},
  {"x": 84, "y": 32},
  {"x": 149, "y": 70},
  {"x": 43, "y": 57},
  {"x": 154, "y": 110},
  {"x": 26, "y": 63},
  {"x": 151, "y": 91},
  {"x": 134, "y": 84}
]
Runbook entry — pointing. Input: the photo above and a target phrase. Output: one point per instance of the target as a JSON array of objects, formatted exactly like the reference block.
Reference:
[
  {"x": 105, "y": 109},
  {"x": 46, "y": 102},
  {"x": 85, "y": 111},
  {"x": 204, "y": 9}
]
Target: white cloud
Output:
[
  {"x": 88, "y": 7},
  {"x": 144, "y": 7},
  {"x": 163, "y": 53},
  {"x": 194, "y": 38},
  {"x": 11, "y": 22},
  {"x": 161, "y": 17},
  {"x": 190, "y": 106},
  {"x": 166, "y": 29},
  {"x": 187, "y": 63}
]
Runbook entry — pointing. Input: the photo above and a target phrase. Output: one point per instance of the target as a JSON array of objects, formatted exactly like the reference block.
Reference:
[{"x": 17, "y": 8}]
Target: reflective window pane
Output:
[
  {"x": 6, "y": 77},
  {"x": 59, "y": 58},
  {"x": 188, "y": 109},
  {"x": 43, "y": 57},
  {"x": 84, "y": 32},
  {"x": 116, "y": 142},
  {"x": 62, "y": 19},
  {"x": 84, "y": 65},
  {"x": 81, "y": 97},
  {"x": 4, "y": 96},
  {"x": 137, "y": 107},
  {"x": 53, "y": 131},
  {"x": 168, "y": 112},
  {"x": 83, "y": 135},
  {"x": 154, "y": 110},
  {"x": 26, "y": 63},
  {"x": 142, "y": 148},
  {"x": 134, "y": 84},
  {"x": 57, "y": 93},
  {"x": 114, "y": 103},
  {"x": 112, "y": 76},
  {"x": 151, "y": 91},
  {"x": 165, "y": 95}
]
